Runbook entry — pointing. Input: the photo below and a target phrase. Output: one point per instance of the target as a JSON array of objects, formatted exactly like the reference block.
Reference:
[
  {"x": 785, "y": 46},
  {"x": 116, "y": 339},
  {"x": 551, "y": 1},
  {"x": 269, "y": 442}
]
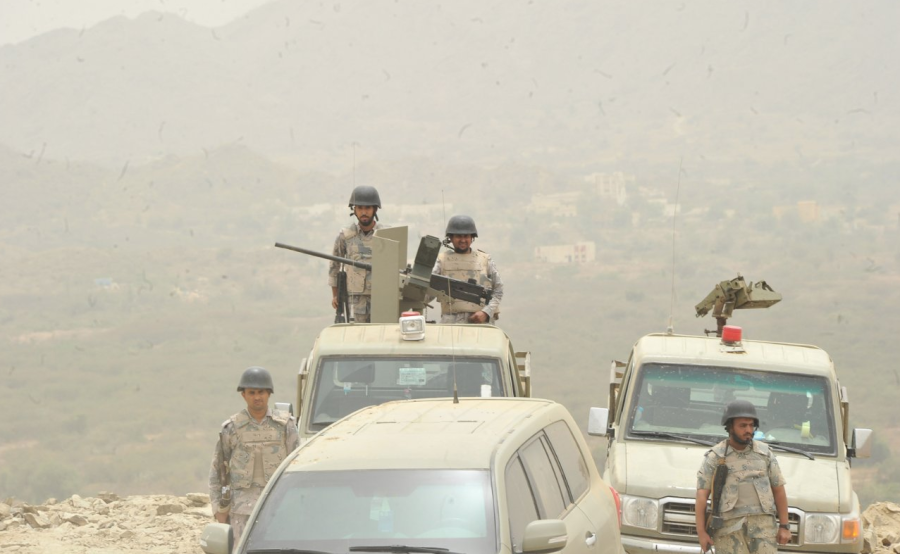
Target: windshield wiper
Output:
[
  {"x": 285, "y": 551},
  {"x": 402, "y": 549},
  {"x": 778, "y": 445},
  {"x": 666, "y": 435}
]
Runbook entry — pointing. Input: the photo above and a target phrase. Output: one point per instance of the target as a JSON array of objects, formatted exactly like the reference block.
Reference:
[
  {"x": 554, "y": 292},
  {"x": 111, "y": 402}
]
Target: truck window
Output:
[
  {"x": 519, "y": 502},
  {"x": 687, "y": 399},
  {"x": 545, "y": 479},
  {"x": 346, "y": 384}
]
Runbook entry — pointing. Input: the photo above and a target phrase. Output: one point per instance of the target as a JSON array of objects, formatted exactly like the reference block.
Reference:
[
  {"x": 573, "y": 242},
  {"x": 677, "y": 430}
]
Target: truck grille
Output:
[{"x": 678, "y": 519}]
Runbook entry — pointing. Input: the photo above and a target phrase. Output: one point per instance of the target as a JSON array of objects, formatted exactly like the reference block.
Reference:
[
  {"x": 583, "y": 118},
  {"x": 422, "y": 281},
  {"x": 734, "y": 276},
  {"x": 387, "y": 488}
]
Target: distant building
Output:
[
  {"x": 611, "y": 185},
  {"x": 563, "y": 204},
  {"x": 578, "y": 253}
]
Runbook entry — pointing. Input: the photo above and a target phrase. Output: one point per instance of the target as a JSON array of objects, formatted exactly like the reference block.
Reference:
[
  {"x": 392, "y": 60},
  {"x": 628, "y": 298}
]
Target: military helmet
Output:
[
  {"x": 740, "y": 408},
  {"x": 461, "y": 225},
  {"x": 365, "y": 196},
  {"x": 256, "y": 378}
]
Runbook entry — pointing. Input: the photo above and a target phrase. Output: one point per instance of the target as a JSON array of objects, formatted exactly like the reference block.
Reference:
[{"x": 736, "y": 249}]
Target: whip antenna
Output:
[{"x": 671, "y": 329}]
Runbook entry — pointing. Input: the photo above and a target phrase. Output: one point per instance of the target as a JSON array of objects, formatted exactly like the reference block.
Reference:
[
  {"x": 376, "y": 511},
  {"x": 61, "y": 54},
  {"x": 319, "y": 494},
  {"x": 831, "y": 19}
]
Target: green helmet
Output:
[
  {"x": 365, "y": 196},
  {"x": 256, "y": 378},
  {"x": 740, "y": 408},
  {"x": 461, "y": 225}
]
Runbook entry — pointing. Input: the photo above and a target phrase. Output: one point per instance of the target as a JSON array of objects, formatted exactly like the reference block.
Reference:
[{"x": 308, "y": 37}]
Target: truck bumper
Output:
[{"x": 643, "y": 545}]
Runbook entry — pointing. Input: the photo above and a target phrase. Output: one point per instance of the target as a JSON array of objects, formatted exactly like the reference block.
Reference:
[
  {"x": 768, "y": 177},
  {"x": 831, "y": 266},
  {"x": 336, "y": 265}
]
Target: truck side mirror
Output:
[
  {"x": 598, "y": 420},
  {"x": 862, "y": 443}
]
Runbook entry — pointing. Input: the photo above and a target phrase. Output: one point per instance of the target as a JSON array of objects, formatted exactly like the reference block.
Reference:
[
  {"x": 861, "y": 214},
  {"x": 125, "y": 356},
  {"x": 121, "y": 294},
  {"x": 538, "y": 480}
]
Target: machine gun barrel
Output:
[{"x": 354, "y": 263}]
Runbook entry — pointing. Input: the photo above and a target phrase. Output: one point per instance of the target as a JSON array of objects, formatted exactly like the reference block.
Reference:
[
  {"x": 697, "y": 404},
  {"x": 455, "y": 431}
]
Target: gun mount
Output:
[
  {"x": 416, "y": 284},
  {"x": 732, "y": 295}
]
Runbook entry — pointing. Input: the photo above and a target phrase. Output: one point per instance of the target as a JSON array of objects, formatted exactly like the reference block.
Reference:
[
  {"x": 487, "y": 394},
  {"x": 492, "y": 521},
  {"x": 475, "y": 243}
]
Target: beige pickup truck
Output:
[{"x": 665, "y": 409}]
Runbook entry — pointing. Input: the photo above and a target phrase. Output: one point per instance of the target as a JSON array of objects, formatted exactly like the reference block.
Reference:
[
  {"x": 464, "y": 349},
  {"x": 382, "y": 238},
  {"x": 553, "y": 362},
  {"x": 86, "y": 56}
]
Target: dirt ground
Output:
[{"x": 172, "y": 525}]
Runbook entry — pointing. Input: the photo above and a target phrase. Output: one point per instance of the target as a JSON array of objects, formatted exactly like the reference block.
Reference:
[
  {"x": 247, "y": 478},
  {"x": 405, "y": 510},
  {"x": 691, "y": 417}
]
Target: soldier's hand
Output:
[
  {"x": 334, "y": 302},
  {"x": 784, "y": 536},
  {"x": 706, "y": 541},
  {"x": 478, "y": 317},
  {"x": 222, "y": 517}
]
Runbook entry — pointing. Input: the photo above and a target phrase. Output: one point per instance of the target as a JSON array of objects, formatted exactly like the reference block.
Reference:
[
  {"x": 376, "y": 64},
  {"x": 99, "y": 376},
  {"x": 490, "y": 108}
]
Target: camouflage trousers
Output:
[
  {"x": 238, "y": 523},
  {"x": 360, "y": 307},
  {"x": 752, "y": 534}
]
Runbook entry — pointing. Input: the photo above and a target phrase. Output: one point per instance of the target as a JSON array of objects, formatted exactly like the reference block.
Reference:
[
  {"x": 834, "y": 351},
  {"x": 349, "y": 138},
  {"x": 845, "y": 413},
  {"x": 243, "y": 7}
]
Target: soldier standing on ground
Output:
[
  {"x": 753, "y": 504},
  {"x": 465, "y": 263},
  {"x": 251, "y": 446},
  {"x": 354, "y": 242}
]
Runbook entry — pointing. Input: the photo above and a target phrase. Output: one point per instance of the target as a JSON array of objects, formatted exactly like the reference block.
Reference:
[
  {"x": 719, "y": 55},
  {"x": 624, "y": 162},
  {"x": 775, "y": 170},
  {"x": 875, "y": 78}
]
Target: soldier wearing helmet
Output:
[
  {"x": 355, "y": 242},
  {"x": 753, "y": 501},
  {"x": 464, "y": 263},
  {"x": 252, "y": 444}
]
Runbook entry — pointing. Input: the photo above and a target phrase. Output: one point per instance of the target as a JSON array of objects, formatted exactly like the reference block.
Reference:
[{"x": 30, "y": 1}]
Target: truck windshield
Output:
[
  {"x": 344, "y": 385},
  {"x": 333, "y": 511},
  {"x": 794, "y": 410}
]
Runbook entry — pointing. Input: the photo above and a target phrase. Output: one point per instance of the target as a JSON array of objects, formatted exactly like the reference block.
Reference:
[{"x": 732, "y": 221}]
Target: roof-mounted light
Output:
[
  {"x": 412, "y": 326},
  {"x": 731, "y": 334}
]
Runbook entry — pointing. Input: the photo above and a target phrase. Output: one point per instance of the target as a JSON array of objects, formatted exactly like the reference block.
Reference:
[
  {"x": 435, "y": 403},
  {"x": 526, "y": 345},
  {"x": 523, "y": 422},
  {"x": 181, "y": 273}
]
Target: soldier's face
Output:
[
  {"x": 742, "y": 430},
  {"x": 365, "y": 215},
  {"x": 257, "y": 400},
  {"x": 461, "y": 243}
]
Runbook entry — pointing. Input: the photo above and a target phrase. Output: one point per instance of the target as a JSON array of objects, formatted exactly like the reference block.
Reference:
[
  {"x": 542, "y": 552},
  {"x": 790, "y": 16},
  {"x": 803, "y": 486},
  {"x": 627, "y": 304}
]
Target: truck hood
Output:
[{"x": 657, "y": 470}]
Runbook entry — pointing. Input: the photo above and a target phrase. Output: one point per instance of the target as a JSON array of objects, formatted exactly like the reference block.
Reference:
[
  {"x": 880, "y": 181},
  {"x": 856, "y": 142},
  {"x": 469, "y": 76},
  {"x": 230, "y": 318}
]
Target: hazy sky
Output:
[{"x": 23, "y": 19}]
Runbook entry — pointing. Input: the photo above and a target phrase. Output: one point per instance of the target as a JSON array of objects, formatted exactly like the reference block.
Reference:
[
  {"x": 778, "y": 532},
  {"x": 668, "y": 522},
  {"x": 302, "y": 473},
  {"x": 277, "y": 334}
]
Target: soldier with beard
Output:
[
  {"x": 465, "y": 263},
  {"x": 354, "y": 242},
  {"x": 753, "y": 495}
]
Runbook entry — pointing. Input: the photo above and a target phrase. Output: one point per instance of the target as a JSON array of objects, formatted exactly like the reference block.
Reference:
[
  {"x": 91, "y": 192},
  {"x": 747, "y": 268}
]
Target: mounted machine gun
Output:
[{"x": 732, "y": 295}]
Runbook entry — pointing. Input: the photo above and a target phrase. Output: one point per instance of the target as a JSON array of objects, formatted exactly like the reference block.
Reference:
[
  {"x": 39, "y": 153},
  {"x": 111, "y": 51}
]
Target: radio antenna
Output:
[{"x": 671, "y": 328}]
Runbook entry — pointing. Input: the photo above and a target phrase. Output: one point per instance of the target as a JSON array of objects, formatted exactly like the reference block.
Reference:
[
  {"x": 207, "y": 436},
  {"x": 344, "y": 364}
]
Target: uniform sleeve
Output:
[
  {"x": 340, "y": 250},
  {"x": 497, "y": 290},
  {"x": 215, "y": 484},
  {"x": 707, "y": 470},
  {"x": 776, "y": 478},
  {"x": 293, "y": 436}
]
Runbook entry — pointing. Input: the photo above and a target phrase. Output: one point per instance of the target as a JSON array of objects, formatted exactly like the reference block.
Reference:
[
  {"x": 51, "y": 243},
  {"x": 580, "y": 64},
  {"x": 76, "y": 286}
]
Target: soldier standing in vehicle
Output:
[
  {"x": 465, "y": 263},
  {"x": 753, "y": 503},
  {"x": 251, "y": 446},
  {"x": 354, "y": 242}
]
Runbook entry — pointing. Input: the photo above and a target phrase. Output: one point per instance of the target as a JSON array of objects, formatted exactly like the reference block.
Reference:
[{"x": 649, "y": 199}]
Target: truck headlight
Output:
[
  {"x": 640, "y": 512},
  {"x": 821, "y": 529}
]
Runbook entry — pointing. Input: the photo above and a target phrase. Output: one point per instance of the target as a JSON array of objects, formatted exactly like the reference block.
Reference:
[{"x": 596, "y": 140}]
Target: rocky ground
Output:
[{"x": 172, "y": 524}]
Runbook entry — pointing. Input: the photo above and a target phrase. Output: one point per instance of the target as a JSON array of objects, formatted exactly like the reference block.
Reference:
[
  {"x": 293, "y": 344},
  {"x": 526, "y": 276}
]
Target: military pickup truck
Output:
[
  {"x": 352, "y": 366},
  {"x": 665, "y": 408}
]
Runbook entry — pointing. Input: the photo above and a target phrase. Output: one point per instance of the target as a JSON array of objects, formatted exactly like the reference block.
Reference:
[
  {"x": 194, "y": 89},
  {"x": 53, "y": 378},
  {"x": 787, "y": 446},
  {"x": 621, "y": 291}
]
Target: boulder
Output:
[
  {"x": 75, "y": 519},
  {"x": 36, "y": 521},
  {"x": 168, "y": 509},
  {"x": 198, "y": 498},
  {"x": 108, "y": 496},
  {"x": 4, "y": 510}
]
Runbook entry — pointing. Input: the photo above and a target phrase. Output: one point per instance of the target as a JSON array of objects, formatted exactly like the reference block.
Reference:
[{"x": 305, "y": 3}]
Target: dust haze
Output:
[{"x": 149, "y": 161}]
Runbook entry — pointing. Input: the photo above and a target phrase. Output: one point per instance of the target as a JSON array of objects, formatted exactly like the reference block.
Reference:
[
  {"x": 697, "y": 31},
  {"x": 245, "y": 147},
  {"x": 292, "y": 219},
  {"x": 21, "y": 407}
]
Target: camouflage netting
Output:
[{"x": 881, "y": 528}]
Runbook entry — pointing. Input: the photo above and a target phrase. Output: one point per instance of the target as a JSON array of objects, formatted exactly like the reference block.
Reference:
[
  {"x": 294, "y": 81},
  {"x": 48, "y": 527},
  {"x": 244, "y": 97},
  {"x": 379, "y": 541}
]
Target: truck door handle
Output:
[{"x": 590, "y": 539}]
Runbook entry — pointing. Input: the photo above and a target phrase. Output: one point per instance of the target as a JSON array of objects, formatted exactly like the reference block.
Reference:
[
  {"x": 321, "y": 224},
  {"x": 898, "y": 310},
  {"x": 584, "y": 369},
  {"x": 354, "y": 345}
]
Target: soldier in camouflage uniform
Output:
[
  {"x": 466, "y": 263},
  {"x": 354, "y": 242},
  {"x": 251, "y": 445},
  {"x": 753, "y": 503}
]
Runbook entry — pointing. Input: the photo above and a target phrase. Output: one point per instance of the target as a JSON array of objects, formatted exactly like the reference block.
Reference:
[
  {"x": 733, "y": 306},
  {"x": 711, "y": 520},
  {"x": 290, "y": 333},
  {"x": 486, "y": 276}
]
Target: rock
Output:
[
  {"x": 870, "y": 540},
  {"x": 108, "y": 524},
  {"x": 36, "y": 521},
  {"x": 50, "y": 502},
  {"x": 4, "y": 510},
  {"x": 101, "y": 509},
  {"x": 78, "y": 502},
  {"x": 126, "y": 535},
  {"x": 108, "y": 496},
  {"x": 2, "y": 526},
  {"x": 198, "y": 498},
  {"x": 75, "y": 519},
  {"x": 167, "y": 509},
  {"x": 54, "y": 520}
]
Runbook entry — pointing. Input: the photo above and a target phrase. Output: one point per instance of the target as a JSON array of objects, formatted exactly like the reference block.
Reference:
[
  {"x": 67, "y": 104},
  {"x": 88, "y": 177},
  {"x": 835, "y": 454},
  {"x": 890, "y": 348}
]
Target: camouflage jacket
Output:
[
  {"x": 241, "y": 437},
  {"x": 753, "y": 469},
  {"x": 354, "y": 244}
]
